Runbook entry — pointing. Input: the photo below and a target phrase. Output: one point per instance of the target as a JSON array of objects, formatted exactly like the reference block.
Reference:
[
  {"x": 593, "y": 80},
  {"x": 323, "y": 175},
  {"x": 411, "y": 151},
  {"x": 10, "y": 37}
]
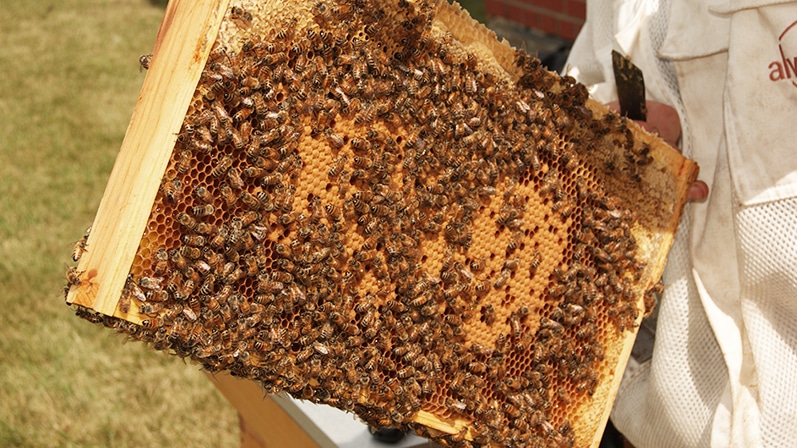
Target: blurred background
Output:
[{"x": 69, "y": 80}]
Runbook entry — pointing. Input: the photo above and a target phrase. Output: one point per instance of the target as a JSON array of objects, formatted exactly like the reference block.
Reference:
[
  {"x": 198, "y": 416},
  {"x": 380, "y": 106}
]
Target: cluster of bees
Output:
[{"x": 328, "y": 222}]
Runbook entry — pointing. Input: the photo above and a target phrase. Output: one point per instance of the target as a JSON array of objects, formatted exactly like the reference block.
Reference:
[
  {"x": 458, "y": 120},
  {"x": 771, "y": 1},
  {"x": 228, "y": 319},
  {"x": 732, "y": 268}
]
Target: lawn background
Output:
[{"x": 69, "y": 79}]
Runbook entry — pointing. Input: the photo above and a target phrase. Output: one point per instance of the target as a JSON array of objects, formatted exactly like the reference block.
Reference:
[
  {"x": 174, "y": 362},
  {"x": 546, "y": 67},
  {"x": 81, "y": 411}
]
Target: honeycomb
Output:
[{"x": 365, "y": 210}]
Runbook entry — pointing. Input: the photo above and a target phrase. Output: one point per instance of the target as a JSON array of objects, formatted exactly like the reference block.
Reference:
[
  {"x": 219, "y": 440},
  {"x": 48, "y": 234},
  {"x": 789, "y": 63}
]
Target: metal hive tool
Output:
[{"x": 383, "y": 208}]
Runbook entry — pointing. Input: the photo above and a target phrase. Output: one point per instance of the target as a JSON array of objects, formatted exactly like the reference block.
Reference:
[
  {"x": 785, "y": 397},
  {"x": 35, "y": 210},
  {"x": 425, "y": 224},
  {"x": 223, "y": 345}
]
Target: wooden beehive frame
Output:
[
  {"x": 150, "y": 139},
  {"x": 182, "y": 46}
]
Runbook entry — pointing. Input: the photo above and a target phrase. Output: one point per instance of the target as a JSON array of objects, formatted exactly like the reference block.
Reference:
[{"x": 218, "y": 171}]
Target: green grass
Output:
[{"x": 69, "y": 79}]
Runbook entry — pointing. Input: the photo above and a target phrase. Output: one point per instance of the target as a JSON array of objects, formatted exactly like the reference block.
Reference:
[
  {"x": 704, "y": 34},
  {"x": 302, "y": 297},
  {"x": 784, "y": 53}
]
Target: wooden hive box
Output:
[{"x": 381, "y": 207}]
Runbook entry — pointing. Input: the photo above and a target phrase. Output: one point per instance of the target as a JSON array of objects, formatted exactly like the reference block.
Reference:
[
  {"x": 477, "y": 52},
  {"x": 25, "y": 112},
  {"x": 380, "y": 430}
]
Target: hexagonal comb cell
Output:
[{"x": 367, "y": 209}]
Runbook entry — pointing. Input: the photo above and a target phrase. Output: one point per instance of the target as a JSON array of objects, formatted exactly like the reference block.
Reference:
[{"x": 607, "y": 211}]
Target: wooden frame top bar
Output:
[{"x": 184, "y": 40}]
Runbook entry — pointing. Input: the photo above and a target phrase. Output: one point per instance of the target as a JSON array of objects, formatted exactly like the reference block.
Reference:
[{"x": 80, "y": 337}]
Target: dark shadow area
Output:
[
  {"x": 611, "y": 437},
  {"x": 160, "y": 3},
  {"x": 555, "y": 60},
  {"x": 551, "y": 50}
]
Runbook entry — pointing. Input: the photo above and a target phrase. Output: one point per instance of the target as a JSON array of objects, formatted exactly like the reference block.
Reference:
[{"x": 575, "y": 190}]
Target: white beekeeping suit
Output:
[{"x": 723, "y": 372}]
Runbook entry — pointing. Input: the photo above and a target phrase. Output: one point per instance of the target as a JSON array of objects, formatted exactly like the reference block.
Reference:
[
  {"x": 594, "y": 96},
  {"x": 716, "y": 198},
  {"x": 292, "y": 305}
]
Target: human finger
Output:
[{"x": 698, "y": 192}]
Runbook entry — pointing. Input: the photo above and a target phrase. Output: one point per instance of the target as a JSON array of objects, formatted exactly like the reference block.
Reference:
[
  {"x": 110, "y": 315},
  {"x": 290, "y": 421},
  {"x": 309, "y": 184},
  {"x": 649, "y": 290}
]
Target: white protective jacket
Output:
[{"x": 723, "y": 371}]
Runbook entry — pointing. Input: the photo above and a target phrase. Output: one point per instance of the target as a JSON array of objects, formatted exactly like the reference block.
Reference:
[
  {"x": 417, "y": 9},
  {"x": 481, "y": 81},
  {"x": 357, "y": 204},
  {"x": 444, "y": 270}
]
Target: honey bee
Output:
[
  {"x": 550, "y": 183},
  {"x": 337, "y": 167},
  {"x": 334, "y": 140},
  {"x": 488, "y": 314},
  {"x": 180, "y": 262},
  {"x": 219, "y": 239},
  {"x": 254, "y": 172},
  {"x": 272, "y": 179},
  {"x": 150, "y": 309},
  {"x": 281, "y": 276},
  {"x": 151, "y": 324},
  {"x": 453, "y": 320},
  {"x": 285, "y": 201},
  {"x": 556, "y": 291},
  {"x": 193, "y": 240},
  {"x": 144, "y": 61},
  {"x": 186, "y": 289},
  {"x": 514, "y": 323},
  {"x": 405, "y": 372},
  {"x": 235, "y": 136},
  {"x": 213, "y": 129},
  {"x": 477, "y": 367},
  {"x": 536, "y": 259},
  {"x": 205, "y": 228},
  {"x": 252, "y": 202},
  {"x": 203, "y": 210},
  {"x": 512, "y": 264},
  {"x": 191, "y": 252},
  {"x": 161, "y": 261},
  {"x": 235, "y": 179},
  {"x": 300, "y": 63},
  {"x": 365, "y": 116},
  {"x": 183, "y": 163},
  {"x": 286, "y": 219},
  {"x": 80, "y": 246},
  {"x": 207, "y": 285},
  {"x": 201, "y": 146},
  {"x": 222, "y": 166},
  {"x": 304, "y": 354},
  {"x": 477, "y": 265},
  {"x": 360, "y": 207},
  {"x": 321, "y": 348},
  {"x": 221, "y": 114},
  {"x": 503, "y": 277},
  {"x": 201, "y": 192},
  {"x": 259, "y": 102},
  {"x": 131, "y": 289},
  {"x": 172, "y": 189},
  {"x": 235, "y": 276},
  {"x": 273, "y": 136},
  {"x": 151, "y": 283},
  {"x": 229, "y": 197},
  {"x": 363, "y": 162}
]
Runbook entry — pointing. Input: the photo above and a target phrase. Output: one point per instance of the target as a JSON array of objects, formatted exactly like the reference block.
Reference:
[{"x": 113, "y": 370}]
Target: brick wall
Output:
[{"x": 561, "y": 18}]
